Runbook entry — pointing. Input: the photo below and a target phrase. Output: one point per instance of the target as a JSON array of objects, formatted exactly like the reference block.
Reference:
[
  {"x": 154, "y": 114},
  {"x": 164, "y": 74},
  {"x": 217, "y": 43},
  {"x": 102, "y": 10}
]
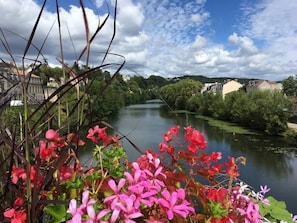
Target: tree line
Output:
[
  {"x": 259, "y": 110},
  {"x": 105, "y": 94}
]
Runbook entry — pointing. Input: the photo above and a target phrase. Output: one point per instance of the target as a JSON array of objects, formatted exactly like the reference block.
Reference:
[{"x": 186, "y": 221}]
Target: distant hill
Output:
[{"x": 204, "y": 79}]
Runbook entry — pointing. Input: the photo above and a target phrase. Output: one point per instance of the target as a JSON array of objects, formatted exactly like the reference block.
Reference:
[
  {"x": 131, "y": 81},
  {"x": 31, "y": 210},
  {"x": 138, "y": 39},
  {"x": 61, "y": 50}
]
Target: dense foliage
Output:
[
  {"x": 290, "y": 86},
  {"x": 106, "y": 95},
  {"x": 177, "y": 94},
  {"x": 259, "y": 110}
]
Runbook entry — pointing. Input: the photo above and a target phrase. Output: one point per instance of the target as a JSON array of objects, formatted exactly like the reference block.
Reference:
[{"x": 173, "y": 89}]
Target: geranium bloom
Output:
[
  {"x": 16, "y": 216},
  {"x": 44, "y": 152},
  {"x": 75, "y": 139},
  {"x": 116, "y": 189},
  {"x": 65, "y": 172},
  {"x": 127, "y": 208},
  {"x": 86, "y": 208},
  {"x": 18, "y": 173},
  {"x": 74, "y": 211},
  {"x": 174, "y": 205},
  {"x": 195, "y": 138},
  {"x": 252, "y": 214},
  {"x": 54, "y": 137},
  {"x": 232, "y": 168},
  {"x": 97, "y": 134},
  {"x": 173, "y": 131},
  {"x": 143, "y": 193},
  {"x": 162, "y": 147},
  {"x": 18, "y": 201}
]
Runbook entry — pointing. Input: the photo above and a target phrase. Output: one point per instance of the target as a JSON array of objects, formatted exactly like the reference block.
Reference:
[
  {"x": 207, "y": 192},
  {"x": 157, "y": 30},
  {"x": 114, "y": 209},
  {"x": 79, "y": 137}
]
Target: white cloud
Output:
[
  {"x": 199, "y": 42},
  {"x": 201, "y": 57},
  {"x": 130, "y": 18},
  {"x": 165, "y": 37},
  {"x": 246, "y": 45}
]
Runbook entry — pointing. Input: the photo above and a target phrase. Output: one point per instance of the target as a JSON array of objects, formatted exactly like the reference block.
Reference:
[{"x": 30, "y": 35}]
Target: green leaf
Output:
[
  {"x": 281, "y": 214},
  {"x": 57, "y": 211},
  {"x": 276, "y": 210}
]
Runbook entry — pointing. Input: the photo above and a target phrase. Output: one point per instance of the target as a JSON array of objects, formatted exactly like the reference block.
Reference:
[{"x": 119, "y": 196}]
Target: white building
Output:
[{"x": 12, "y": 81}]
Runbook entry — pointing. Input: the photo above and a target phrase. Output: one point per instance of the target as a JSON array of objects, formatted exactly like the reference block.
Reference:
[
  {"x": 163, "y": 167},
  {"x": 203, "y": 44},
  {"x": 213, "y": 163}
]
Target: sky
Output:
[{"x": 170, "y": 38}]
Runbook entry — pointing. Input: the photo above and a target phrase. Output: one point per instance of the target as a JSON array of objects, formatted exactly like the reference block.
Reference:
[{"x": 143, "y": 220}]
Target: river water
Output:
[{"x": 270, "y": 161}]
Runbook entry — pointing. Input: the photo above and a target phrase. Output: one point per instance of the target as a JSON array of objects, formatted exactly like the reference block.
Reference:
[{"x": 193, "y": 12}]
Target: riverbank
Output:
[
  {"x": 226, "y": 126},
  {"x": 233, "y": 128}
]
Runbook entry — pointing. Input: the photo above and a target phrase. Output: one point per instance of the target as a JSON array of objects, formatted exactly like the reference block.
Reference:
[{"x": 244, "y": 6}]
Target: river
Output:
[{"x": 270, "y": 161}]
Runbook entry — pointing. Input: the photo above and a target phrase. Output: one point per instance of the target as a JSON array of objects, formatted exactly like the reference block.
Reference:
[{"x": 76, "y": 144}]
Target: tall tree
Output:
[{"x": 290, "y": 86}]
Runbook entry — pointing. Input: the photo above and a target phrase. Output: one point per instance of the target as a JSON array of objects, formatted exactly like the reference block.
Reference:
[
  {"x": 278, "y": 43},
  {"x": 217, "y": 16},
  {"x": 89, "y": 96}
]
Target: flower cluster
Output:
[
  {"x": 137, "y": 196},
  {"x": 182, "y": 184}
]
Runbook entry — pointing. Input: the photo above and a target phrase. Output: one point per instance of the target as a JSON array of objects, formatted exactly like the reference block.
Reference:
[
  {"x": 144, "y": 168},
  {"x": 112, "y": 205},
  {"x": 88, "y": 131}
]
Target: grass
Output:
[{"x": 227, "y": 126}]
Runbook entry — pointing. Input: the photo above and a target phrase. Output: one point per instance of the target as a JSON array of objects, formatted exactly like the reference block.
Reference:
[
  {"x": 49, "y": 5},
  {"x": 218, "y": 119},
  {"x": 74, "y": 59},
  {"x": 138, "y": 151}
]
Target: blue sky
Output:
[{"x": 231, "y": 38}]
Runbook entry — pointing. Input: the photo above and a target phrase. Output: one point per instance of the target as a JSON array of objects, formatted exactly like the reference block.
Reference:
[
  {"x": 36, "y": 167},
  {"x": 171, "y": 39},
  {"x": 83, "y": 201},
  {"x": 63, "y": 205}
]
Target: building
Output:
[
  {"x": 224, "y": 88},
  {"x": 263, "y": 85},
  {"x": 12, "y": 81}
]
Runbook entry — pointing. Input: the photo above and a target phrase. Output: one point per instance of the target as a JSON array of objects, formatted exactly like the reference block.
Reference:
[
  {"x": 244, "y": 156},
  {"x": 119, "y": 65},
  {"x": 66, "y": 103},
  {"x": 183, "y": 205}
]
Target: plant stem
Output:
[{"x": 27, "y": 150}]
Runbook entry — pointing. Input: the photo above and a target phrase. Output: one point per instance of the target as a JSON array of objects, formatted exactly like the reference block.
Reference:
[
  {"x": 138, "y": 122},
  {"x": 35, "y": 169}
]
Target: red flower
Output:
[
  {"x": 15, "y": 216},
  {"x": 18, "y": 173},
  {"x": 215, "y": 169},
  {"x": 75, "y": 139},
  {"x": 192, "y": 148},
  {"x": 195, "y": 138},
  {"x": 33, "y": 175},
  {"x": 144, "y": 163},
  {"x": 44, "y": 152},
  {"x": 97, "y": 134},
  {"x": 173, "y": 131},
  {"x": 232, "y": 168},
  {"x": 170, "y": 149},
  {"x": 51, "y": 135},
  {"x": 18, "y": 202},
  {"x": 155, "y": 155},
  {"x": 65, "y": 173},
  {"x": 162, "y": 147},
  {"x": 217, "y": 195},
  {"x": 54, "y": 137}
]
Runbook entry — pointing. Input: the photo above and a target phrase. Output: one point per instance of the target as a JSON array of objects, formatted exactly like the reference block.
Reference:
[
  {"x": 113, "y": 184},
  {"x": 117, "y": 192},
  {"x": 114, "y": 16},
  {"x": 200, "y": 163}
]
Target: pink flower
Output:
[
  {"x": 88, "y": 204},
  {"x": 175, "y": 204},
  {"x": 86, "y": 208},
  {"x": 264, "y": 189},
  {"x": 143, "y": 193},
  {"x": 74, "y": 211},
  {"x": 127, "y": 208},
  {"x": 252, "y": 214},
  {"x": 116, "y": 189}
]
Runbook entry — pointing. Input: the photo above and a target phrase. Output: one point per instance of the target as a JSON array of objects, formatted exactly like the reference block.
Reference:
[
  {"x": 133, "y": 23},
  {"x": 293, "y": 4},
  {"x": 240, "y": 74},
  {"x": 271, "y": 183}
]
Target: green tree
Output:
[
  {"x": 267, "y": 111},
  {"x": 176, "y": 95},
  {"x": 238, "y": 107},
  {"x": 290, "y": 86}
]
